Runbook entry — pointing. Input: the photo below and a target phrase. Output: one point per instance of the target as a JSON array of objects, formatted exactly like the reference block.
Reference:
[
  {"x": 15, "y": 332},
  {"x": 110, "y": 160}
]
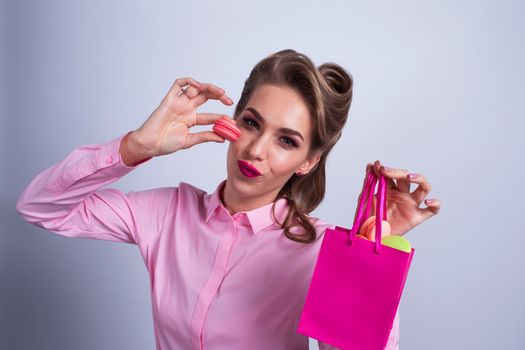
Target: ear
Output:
[{"x": 307, "y": 166}]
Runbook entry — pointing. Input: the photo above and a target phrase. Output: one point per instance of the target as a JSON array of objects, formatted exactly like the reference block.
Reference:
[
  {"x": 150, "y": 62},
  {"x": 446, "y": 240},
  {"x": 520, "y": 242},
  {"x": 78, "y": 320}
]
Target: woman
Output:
[{"x": 231, "y": 269}]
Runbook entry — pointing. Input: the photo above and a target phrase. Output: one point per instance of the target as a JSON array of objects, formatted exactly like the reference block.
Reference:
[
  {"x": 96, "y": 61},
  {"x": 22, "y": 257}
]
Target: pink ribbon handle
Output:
[
  {"x": 381, "y": 209},
  {"x": 359, "y": 217},
  {"x": 367, "y": 195}
]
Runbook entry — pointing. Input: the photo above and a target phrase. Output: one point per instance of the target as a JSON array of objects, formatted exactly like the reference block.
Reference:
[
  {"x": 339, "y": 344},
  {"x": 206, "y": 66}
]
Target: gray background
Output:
[{"x": 437, "y": 91}]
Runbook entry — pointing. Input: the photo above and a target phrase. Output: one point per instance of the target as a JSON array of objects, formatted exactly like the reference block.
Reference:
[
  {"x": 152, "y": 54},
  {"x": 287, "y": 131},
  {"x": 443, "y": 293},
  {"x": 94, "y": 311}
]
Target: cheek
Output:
[
  {"x": 284, "y": 161},
  {"x": 235, "y": 151},
  {"x": 234, "y": 147},
  {"x": 238, "y": 147},
  {"x": 231, "y": 151}
]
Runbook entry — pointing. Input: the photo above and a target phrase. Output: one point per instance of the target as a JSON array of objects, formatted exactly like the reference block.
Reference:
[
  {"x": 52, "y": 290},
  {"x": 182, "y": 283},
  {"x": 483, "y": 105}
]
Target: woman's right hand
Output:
[{"x": 167, "y": 128}]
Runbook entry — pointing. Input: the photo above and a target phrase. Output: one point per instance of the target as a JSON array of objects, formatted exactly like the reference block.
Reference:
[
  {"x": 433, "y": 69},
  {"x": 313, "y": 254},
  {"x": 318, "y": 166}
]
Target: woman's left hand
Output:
[{"x": 403, "y": 211}]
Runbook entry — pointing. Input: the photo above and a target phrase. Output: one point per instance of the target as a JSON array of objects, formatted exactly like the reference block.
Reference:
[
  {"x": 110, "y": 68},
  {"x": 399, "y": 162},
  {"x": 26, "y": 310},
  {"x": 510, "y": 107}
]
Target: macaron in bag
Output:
[{"x": 368, "y": 231}]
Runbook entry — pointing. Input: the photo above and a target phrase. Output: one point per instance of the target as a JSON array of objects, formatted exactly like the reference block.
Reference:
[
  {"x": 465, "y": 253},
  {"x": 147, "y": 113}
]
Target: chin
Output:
[{"x": 242, "y": 183}]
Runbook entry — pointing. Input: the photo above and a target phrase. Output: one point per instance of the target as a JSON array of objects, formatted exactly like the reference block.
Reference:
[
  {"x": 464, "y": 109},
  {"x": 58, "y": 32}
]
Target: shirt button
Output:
[{"x": 109, "y": 160}]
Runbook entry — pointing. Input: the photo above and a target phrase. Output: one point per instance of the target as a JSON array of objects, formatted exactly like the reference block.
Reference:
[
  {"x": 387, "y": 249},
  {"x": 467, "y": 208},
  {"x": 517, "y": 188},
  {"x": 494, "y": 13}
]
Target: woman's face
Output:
[{"x": 265, "y": 144}]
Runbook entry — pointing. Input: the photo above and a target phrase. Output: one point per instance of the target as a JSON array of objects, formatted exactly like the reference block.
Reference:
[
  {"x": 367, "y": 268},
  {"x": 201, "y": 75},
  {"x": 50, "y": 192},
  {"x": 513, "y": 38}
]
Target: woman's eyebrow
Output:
[{"x": 259, "y": 117}]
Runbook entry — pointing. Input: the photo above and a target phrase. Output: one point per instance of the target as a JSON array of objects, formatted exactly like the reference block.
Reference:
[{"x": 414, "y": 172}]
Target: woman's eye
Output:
[
  {"x": 248, "y": 120},
  {"x": 291, "y": 142}
]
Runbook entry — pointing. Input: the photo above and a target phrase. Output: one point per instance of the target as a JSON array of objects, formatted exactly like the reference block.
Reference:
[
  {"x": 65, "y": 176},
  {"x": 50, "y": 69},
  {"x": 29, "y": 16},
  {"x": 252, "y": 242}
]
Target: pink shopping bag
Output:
[{"x": 357, "y": 284}]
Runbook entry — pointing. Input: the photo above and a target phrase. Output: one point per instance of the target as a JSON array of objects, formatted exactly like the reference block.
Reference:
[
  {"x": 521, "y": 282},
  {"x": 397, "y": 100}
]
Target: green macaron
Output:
[{"x": 397, "y": 242}]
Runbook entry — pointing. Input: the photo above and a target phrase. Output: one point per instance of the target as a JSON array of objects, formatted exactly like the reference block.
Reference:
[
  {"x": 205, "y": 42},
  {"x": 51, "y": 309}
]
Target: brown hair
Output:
[{"x": 327, "y": 91}]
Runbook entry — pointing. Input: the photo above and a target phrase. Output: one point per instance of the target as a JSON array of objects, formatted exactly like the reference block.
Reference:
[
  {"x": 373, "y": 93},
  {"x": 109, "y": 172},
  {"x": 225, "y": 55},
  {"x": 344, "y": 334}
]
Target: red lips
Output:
[{"x": 249, "y": 167}]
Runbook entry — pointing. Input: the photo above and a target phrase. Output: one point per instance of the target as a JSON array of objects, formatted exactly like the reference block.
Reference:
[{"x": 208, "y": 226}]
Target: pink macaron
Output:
[{"x": 227, "y": 128}]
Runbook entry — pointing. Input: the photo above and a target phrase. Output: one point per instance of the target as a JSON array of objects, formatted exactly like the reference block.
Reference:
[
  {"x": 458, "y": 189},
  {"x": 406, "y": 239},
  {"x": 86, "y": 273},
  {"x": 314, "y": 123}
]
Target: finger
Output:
[
  {"x": 211, "y": 88},
  {"x": 207, "y": 95},
  {"x": 210, "y": 118},
  {"x": 390, "y": 183},
  {"x": 376, "y": 167},
  {"x": 225, "y": 99},
  {"x": 178, "y": 85},
  {"x": 403, "y": 185},
  {"x": 191, "y": 92},
  {"x": 390, "y": 174},
  {"x": 422, "y": 189},
  {"x": 210, "y": 91},
  {"x": 203, "y": 136},
  {"x": 433, "y": 207}
]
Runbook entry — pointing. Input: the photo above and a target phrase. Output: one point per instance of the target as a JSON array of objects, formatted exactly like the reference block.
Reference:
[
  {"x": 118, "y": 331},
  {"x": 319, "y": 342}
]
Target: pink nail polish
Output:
[{"x": 412, "y": 176}]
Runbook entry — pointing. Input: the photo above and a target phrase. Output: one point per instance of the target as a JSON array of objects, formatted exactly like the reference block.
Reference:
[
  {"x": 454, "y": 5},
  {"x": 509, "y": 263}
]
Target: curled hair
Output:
[{"x": 327, "y": 91}]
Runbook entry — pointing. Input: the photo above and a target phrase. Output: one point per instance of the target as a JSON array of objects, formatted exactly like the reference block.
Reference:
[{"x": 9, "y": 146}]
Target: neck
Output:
[{"x": 235, "y": 203}]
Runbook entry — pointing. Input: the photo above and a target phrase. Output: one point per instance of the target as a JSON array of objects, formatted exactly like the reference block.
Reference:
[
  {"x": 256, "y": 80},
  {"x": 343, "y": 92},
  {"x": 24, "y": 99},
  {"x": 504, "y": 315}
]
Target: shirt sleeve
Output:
[
  {"x": 393, "y": 338},
  {"x": 68, "y": 198},
  {"x": 392, "y": 343},
  {"x": 324, "y": 346}
]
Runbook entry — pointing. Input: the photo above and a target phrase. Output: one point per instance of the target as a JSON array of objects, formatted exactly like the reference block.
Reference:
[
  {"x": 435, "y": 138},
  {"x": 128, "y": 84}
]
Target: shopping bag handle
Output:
[
  {"x": 367, "y": 195},
  {"x": 362, "y": 200}
]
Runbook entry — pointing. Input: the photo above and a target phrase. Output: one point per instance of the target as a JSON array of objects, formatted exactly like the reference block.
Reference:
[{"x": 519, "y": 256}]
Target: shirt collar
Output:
[{"x": 259, "y": 218}]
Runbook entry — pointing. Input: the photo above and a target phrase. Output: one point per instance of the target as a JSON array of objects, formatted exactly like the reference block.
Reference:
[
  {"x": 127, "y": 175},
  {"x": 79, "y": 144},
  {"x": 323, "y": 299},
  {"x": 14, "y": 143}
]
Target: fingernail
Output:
[
  {"x": 412, "y": 176},
  {"x": 429, "y": 201}
]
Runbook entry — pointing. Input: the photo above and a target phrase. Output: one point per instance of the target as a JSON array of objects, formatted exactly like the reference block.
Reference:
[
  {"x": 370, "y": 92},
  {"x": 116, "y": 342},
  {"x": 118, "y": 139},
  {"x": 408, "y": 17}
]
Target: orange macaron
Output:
[
  {"x": 368, "y": 229},
  {"x": 227, "y": 128}
]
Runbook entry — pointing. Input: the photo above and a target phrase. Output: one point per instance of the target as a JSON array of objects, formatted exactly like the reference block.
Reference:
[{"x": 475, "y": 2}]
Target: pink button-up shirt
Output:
[{"x": 217, "y": 281}]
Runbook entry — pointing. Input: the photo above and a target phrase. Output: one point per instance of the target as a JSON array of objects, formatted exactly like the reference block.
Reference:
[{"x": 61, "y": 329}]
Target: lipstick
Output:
[{"x": 247, "y": 169}]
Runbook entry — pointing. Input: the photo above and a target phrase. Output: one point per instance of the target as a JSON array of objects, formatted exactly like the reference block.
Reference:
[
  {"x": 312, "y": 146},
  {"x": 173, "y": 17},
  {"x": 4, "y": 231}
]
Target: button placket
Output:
[{"x": 211, "y": 286}]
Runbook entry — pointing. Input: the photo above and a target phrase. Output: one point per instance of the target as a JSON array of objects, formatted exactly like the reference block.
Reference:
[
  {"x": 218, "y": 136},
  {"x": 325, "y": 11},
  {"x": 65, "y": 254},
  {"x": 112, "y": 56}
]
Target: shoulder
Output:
[
  {"x": 184, "y": 191},
  {"x": 321, "y": 226},
  {"x": 189, "y": 193},
  {"x": 189, "y": 189}
]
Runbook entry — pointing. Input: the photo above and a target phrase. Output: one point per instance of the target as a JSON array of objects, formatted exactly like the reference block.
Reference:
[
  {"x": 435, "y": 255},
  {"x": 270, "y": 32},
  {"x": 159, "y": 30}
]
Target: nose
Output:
[{"x": 257, "y": 147}]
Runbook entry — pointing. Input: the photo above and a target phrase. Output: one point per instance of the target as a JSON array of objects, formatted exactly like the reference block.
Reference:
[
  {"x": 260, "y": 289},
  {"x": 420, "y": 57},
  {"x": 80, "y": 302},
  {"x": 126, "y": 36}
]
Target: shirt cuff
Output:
[{"x": 121, "y": 162}]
